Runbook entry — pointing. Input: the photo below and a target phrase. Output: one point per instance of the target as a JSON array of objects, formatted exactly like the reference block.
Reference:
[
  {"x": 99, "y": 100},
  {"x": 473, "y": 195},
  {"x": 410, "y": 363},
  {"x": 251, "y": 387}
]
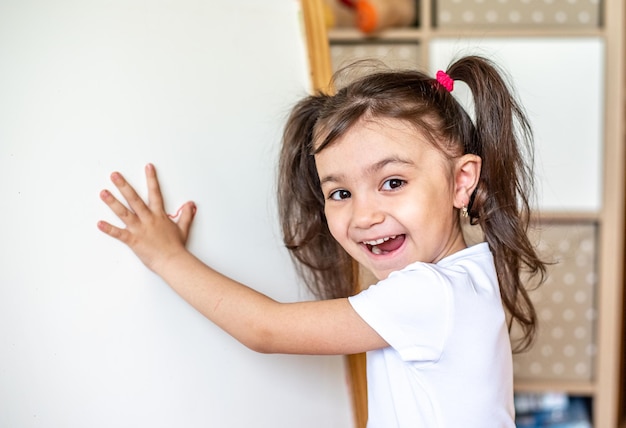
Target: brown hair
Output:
[{"x": 501, "y": 136}]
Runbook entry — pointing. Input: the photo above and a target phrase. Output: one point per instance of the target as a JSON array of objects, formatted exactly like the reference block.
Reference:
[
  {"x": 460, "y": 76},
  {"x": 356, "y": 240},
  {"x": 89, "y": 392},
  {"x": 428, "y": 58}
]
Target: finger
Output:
[
  {"x": 186, "y": 218},
  {"x": 115, "y": 232},
  {"x": 132, "y": 198},
  {"x": 155, "y": 197},
  {"x": 119, "y": 209}
]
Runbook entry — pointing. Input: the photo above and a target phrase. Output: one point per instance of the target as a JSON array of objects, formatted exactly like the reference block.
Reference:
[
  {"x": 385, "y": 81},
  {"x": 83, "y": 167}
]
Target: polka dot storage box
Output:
[
  {"x": 393, "y": 55},
  {"x": 565, "y": 347},
  {"x": 518, "y": 13}
]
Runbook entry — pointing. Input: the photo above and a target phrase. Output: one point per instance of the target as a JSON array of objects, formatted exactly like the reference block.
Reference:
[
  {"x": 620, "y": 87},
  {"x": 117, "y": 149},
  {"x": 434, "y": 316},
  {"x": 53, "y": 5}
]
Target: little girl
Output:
[{"x": 383, "y": 173}]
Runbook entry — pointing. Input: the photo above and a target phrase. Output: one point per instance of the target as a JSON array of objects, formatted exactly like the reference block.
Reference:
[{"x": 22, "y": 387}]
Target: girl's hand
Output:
[{"x": 149, "y": 232}]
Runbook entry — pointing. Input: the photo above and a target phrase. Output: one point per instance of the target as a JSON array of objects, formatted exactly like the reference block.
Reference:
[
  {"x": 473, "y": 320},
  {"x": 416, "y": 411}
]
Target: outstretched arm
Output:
[{"x": 262, "y": 324}]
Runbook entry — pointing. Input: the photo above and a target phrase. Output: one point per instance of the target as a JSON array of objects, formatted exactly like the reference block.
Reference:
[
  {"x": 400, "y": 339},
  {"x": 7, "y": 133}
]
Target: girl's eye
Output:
[
  {"x": 339, "y": 195},
  {"x": 393, "y": 183}
]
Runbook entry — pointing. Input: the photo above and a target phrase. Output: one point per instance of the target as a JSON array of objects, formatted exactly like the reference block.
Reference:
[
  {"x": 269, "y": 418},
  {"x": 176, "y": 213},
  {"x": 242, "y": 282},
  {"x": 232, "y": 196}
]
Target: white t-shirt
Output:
[{"x": 449, "y": 362}]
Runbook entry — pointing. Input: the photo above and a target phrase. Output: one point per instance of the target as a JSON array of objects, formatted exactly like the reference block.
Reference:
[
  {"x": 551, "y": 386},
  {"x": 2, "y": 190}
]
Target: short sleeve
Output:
[{"x": 411, "y": 310}]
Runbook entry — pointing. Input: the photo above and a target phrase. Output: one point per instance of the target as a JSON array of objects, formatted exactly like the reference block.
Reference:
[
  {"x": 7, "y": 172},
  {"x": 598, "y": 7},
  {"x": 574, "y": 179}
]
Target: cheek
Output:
[{"x": 333, "y": 220}]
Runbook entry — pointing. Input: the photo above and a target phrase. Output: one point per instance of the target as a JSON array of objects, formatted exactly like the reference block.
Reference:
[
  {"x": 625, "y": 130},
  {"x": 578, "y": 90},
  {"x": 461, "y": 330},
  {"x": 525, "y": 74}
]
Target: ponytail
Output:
[{"x": 500, "y": 203}]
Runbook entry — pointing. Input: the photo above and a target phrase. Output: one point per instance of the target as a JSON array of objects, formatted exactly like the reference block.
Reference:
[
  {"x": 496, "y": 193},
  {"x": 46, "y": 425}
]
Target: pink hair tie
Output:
[{"x": 445, "y": 80}]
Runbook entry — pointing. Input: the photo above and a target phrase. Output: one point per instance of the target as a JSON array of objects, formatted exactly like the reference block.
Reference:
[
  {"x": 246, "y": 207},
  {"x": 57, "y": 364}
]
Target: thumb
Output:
[{"x": 186, "y": 218}]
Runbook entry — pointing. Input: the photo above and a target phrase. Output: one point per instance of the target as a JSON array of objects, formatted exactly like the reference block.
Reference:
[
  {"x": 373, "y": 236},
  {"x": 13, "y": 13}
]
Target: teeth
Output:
[
  {"x": 376, "y": 250},
  {"x": 379, "y": 241}
]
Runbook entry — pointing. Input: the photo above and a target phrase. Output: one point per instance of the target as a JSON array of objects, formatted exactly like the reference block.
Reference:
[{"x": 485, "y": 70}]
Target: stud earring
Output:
[{"x": 464, "y": 212}]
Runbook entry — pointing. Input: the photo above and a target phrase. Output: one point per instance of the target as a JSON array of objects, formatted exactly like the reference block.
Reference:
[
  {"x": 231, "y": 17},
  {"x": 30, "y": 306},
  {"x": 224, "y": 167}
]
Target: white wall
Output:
[{"x": 88, "y": 336}]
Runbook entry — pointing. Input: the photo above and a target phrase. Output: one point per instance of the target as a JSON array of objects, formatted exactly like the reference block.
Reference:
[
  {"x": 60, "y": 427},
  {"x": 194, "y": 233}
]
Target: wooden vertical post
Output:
[
  {"x": 317, "y": 45},
  {"x": 612, "y": 233}
]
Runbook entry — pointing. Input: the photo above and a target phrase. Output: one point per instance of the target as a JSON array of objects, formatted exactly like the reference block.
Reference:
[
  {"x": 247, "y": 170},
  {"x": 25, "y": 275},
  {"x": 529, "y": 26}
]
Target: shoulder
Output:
[
  {"x": 474, "y": 265},
  {"x": 475, "y": 262}
]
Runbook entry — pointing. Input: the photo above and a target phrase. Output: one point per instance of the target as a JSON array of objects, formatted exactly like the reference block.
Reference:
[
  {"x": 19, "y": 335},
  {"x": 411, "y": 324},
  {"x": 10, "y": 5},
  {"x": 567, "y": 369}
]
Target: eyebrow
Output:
[{"x": 375, "y": 167}]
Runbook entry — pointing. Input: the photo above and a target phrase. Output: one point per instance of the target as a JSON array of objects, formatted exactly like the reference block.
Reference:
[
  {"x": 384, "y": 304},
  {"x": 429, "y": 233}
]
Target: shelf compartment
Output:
[
  {"x": 565, "y": 348},
  {"x": 375, "y": 55}
]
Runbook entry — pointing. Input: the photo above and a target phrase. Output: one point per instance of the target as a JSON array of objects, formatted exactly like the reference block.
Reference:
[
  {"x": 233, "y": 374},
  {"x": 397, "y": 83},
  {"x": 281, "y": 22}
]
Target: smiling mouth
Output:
[{"x": 384, "y": 245}]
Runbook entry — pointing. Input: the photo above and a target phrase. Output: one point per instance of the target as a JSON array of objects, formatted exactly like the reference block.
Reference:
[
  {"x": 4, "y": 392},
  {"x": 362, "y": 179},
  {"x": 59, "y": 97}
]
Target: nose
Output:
[{"x": 366, "y": 212}]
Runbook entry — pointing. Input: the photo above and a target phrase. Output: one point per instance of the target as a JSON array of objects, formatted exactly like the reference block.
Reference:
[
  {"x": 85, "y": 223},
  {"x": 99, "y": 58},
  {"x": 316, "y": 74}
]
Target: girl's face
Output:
[{"x": 390, "y": 196}]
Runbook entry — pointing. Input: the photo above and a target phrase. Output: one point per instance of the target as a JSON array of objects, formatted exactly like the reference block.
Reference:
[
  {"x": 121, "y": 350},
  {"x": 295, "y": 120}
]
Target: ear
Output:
[{"x": 466, "y": 176}]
